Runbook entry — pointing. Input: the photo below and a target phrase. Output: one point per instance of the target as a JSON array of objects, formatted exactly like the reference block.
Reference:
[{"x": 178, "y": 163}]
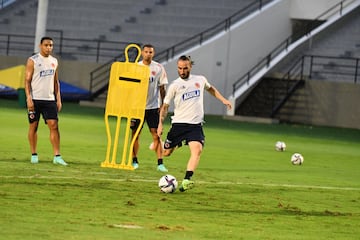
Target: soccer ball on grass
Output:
[
  {"x": 168, "y": 184},
  {"x": 280, "y": 146},
  {"x": 297, "y": 159}
]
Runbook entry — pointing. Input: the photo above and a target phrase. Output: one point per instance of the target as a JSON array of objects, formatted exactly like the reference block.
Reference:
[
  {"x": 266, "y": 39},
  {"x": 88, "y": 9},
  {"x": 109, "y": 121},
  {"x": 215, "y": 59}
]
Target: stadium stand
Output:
[
  {"x": 341, "y": 40},
  {"x": 149, "y": 20},
  {"x": 317, "y": 84},
  {"x": 85, "y": 23},
  {"x": 337, "y": 45},
  {"x": 163, "y": 23}
]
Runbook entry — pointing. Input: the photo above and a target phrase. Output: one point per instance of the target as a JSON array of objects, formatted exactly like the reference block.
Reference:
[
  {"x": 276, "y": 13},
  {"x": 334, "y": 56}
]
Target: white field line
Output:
[{"x": 37, "y": 176}]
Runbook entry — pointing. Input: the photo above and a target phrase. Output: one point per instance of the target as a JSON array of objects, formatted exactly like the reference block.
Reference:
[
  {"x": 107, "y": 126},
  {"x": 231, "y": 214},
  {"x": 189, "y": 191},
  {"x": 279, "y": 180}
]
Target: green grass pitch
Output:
[{"x": 244, "y": 188}]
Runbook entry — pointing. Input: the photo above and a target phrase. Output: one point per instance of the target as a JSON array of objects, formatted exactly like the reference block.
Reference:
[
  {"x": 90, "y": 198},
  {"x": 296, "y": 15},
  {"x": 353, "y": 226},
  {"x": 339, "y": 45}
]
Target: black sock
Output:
[
  {"x": 135, "y": 160},
  {"x": 57, "y": 155},
  {"x": 160, "y": 161},
  {"x": 188, "y": 174},
  {"x": 34, "y": 154}
]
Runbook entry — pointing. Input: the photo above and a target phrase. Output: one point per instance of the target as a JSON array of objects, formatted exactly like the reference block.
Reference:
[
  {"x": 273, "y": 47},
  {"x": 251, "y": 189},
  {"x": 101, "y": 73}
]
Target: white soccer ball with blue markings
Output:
[
  {"x": 280, "y": 146},
  {"x": 297, "y": 159},
  {"x": 168, "y": 184}
]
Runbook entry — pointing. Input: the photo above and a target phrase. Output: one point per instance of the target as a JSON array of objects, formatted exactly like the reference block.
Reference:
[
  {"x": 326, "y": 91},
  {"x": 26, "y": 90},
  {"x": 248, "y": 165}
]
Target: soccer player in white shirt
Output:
[
  {"x": 42, "y": 91},
  {"x": 187, "y": 92},
  {"x": 156, "y": 93}
]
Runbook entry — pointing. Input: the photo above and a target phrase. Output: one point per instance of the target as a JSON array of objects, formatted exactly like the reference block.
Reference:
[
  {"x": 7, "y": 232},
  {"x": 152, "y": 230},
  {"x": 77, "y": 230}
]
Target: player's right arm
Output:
[
  {"x": 163, "y": 113},
  {"x": 29, "y": 70},
  {"x": 170, "y": 94},
  {"x": 162, "y": 94}
]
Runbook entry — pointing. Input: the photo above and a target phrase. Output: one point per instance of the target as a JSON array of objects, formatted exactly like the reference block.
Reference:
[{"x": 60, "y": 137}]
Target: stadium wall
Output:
[
  {"x": 74, "y": 72},
  {"x": 231, "y": 54},
  {"x": 310, "y": 9},
  {"x": 226, "y": 57},
  {"x": 324, "y": 103}
]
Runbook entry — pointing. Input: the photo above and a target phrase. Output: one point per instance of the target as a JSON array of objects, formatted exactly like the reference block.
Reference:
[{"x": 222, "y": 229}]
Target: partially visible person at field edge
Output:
[
  {"x": 156, "y": 93},
  {"x": 187, "y": 93},
  {"x": 43, "y": 97}
]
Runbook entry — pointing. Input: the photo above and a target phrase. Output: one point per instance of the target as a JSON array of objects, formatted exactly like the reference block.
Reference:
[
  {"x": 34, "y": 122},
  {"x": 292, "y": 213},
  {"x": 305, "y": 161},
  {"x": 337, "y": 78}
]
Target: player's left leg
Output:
[
  {"x": 195, "y": 138},
  {"x": 54, "y": 135},
  {"x": 50, "y": 115},
  {"x": 195, "y": 153},
  {"x": 55, "y": 141}
]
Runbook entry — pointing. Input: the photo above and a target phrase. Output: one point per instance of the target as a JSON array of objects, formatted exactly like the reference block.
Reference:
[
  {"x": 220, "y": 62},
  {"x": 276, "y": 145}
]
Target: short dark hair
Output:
[
  {"x": 186, "y": 58},
  {"x": 45, "y": 38},
  {"x": 147, "y": 46}
]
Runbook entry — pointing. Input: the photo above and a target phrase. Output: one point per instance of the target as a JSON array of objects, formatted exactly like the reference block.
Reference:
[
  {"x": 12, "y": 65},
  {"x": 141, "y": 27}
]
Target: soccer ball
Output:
[
  {"x": 168, "y": 184},
  {"x": 297, "y": 159},
  {"x": 280, "y": 146}
]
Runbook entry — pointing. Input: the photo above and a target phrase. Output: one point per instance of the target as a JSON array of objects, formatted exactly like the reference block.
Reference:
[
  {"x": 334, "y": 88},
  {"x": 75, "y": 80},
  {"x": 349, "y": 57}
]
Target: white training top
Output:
[
  {"x": 188, "y": 95},
  {"x": 158, "y": 78},
  {"x": 42, "y": 83}
]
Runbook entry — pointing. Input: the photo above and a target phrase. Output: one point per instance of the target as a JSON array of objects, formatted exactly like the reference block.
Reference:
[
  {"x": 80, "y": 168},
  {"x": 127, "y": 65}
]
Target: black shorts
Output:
[
  {"x": 48, "y": 110},
  {"x": 151, "y": 118},
  {"x": 180, "y": 132}
]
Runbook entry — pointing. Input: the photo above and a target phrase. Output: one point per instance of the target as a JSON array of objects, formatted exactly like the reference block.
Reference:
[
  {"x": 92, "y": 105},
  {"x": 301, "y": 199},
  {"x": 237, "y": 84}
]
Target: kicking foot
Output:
[{"x": 186, "y": 184}]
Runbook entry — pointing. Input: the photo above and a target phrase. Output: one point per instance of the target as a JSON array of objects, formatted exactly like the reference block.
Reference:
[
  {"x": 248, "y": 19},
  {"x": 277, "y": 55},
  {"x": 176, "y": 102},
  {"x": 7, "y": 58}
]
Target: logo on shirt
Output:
[
  {"x": 191, "y": 94},
  {"x": 47, "y": 72}
]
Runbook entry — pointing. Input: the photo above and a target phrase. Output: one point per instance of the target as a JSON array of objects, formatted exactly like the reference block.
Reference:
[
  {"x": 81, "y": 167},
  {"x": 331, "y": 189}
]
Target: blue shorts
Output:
[
  {"x": 48, "y": 110},
  {"x": 151, "y": 118},
  {"x": 180, "y": 132}
]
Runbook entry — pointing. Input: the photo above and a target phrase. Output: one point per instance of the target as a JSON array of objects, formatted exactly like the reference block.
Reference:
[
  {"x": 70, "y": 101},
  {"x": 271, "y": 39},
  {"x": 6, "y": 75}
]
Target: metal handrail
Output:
[
  {"x": 197, "y": 39},
  {"x": 92, "y": 50},
  {"x": 343, "y": 69},
  {"x": 285, "y": 44},
  {"x": 5, "y": 3},
  {"x": 99, "y": 50}
]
